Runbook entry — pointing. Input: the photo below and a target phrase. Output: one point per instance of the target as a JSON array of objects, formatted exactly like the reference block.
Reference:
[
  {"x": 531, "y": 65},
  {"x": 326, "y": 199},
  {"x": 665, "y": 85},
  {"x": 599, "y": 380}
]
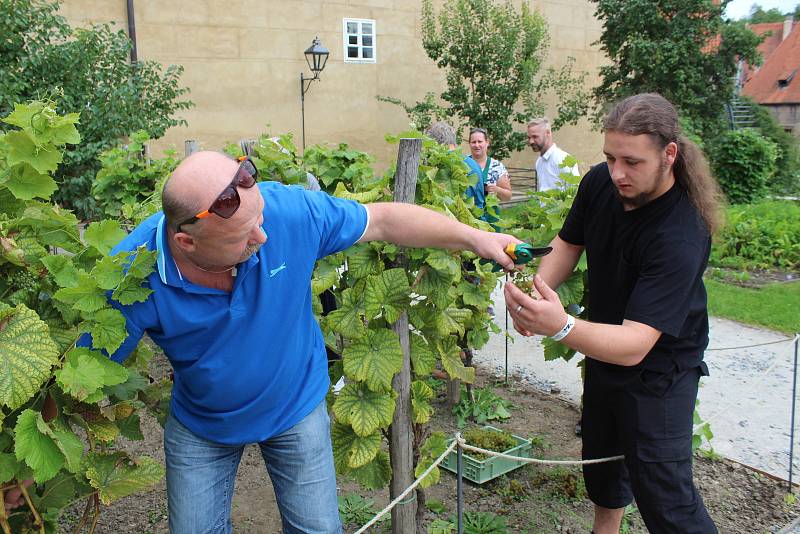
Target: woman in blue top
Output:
[{"x": 491, "y": 175}]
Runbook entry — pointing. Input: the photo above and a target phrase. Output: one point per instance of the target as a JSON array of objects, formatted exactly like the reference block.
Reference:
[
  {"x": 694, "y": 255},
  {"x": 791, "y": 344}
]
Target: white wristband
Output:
[{"x": 561, "y": 334}]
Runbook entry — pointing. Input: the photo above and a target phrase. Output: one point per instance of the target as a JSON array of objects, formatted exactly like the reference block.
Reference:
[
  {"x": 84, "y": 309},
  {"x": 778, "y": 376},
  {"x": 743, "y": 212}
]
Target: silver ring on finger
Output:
[{"x": 518, "y": 308}]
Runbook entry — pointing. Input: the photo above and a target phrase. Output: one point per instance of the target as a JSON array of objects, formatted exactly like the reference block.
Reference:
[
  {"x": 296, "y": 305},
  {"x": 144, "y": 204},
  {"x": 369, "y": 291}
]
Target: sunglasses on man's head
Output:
[{"x": 229, "y": 201}]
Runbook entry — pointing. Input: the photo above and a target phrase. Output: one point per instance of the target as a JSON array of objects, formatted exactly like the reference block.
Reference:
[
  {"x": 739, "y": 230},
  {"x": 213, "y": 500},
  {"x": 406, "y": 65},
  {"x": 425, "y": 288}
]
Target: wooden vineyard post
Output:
[
  {"x": 190, "y": 146},
  {"x": 402, "y": 432}
]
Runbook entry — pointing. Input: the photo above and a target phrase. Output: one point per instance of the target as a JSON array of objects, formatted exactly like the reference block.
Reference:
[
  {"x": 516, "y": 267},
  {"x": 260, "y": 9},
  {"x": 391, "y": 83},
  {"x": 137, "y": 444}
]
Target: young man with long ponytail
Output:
[{"x": 645, "y": 219}]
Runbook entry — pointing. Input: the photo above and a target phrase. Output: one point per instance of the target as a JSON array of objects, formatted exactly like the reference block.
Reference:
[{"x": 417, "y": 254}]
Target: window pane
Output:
[
  {"x": 352, "y": 39},
  {"x": 367, "y": 52},
  {"x": 352, "y": 27},
  {"x": 366, "y": 40},
  {"x": 366, "y": 28},
  {"x": 352, "y": 52}
]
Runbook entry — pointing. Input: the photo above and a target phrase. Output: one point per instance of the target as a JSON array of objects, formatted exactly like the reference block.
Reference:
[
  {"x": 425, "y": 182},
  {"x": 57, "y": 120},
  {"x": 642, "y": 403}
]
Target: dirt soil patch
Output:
[{"x": 532, "y": 499}]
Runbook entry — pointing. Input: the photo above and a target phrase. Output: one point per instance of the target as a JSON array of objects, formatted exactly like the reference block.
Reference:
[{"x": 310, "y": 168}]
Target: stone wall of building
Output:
[{"x": 243, "y": 60}]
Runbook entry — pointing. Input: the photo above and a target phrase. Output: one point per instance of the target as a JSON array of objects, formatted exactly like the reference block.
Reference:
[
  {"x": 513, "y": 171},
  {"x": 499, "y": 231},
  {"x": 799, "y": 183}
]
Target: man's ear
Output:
[
  {"x": 185, "y": 242},
  {"x": 670, "y": 153}
]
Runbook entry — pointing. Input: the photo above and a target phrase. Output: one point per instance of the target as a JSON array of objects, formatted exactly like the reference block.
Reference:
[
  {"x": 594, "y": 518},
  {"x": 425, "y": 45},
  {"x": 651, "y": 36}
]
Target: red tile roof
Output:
[
  {"x": 775, "y": 31},
  {"x": 777, "y": 81}
]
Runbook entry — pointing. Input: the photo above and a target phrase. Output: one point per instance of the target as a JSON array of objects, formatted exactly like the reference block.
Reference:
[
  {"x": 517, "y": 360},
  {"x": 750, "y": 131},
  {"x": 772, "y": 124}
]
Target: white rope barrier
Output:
[
  {"x": 460, "y": 442},
  {"x": 463, "y": 444},
  {"x": 787, "y": 340},
  {"x": 408, "y": 490}
]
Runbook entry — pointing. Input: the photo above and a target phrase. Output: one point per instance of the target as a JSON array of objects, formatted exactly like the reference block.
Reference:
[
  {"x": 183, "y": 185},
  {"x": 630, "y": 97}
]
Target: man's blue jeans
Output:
[{"x": 201, "y": 476}]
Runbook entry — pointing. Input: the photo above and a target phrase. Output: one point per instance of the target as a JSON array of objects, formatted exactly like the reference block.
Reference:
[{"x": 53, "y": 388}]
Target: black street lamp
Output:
[{"x": 316, "y": 57}]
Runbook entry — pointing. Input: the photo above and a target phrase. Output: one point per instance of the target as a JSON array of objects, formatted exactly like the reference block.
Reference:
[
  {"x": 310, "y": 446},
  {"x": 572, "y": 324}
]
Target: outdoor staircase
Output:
[{"x": 740, "y": 113}]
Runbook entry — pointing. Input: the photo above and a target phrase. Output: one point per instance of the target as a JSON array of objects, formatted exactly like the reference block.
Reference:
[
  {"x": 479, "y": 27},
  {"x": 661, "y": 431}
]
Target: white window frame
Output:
[{"x": 346, "y": 41}]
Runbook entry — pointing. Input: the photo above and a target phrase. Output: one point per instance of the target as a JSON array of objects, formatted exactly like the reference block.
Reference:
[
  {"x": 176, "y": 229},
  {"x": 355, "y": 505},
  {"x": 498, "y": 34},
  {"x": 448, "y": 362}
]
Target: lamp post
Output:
[{"x": 316, "y": 57}]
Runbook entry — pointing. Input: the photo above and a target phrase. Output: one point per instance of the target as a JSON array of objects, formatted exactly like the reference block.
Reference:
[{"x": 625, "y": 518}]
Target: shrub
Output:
[
  {"x": 765, "y": 235},
  {"x": 87, "y": 71},
  {"x": 743, "y": 162},
  {"x": 129, "y": 177},
  {"x": 786, "y": 180}
]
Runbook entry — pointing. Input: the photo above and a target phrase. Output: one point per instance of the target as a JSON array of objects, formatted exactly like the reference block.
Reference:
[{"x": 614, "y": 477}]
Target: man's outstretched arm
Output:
[{"x": 409, "y": 225}]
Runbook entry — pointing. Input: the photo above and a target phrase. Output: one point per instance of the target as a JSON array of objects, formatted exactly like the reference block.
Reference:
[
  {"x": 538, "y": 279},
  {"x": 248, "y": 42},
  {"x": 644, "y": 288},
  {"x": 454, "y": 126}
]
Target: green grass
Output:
[{"x": 775, "y": 306}]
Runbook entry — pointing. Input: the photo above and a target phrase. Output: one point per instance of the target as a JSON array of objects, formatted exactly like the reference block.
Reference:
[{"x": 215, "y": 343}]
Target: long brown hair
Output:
[{"x": 652, "y": 114}]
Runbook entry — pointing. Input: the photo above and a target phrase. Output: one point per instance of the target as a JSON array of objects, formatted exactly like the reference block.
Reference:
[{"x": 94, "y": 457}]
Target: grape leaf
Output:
[
  {"x": 23, "y": 149},
  {"x": 452, "y": 320},
  {"x": 85, "y": 296},
  {"x": 374, "y": 359},
  {"x": 37, "y": 449},
  {"x": 108, "y": 332},
  {"x": 351, "y": 450},
  {"x": 9, "y": 466},
  {"x": 62, "y": 269},
  {"x": 364, "y": 410},
  {"x": 325, "y": 276},
  {"x": 108, "y": 273},
  {"x": 446, "y": 262},
  {"x": 103, "y": 235},
  {"x": 421, "y": 395},
  {"x": 450, "y": 354},
  {"x": 117, "y": 475},
  {"x": 376, "y": 474},
  {"x": 423, "y": 360},
  {"x": 67, "y": 442},
  {"x": 389, "y": 291},
  {"x": 131, "y": 290},
  {"x": 28, "y": 355},
  {"x": 346, "y": 320},
  {"x": 26, "y": 183},
  {"x": 363, "y": 260},
  {"x": 85, "y": 372}
]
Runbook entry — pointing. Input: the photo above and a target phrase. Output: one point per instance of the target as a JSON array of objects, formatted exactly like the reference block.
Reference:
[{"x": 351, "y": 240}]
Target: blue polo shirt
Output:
[{"x": 251, "y": 363}]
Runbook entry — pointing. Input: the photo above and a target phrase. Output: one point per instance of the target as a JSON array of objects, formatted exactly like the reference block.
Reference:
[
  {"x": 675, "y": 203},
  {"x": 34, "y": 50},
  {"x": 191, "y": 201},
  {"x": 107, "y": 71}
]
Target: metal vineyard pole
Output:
[
  {"x": 401, "y": 440},
  {"x": 794, "y": 403}
]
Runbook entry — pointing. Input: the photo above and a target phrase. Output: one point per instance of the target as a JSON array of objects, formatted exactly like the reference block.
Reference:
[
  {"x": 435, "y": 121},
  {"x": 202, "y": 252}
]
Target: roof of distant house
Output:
[
  {"x": 774, "y": 31},
  {"x": 777, "y": 81}
]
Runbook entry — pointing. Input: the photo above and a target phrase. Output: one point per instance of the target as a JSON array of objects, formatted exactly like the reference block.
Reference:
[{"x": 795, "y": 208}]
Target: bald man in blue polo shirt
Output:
[{"x": 231, "y": 308}]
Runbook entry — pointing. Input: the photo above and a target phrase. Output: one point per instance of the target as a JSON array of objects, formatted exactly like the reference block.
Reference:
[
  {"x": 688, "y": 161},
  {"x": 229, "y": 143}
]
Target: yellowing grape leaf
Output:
[
  {"x": 389, "y": 291},
  {"x": 364, "y": 410},
  {"x": 421, "y": 396},
  {"x": 376, "y": 474},
  {"x": 374, "y": 359},
  {"x": 28, "y": 353},
  {"x": 450, "y": 354},
  {"x": 346, "y": 320},
  {"x": 351, "y": 450},
  {"x": 117, "y": 475}
]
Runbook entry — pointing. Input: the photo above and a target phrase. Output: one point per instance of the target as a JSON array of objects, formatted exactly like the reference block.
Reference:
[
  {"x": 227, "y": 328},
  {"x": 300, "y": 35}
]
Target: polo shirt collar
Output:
[{"x": 167, "y": 270}]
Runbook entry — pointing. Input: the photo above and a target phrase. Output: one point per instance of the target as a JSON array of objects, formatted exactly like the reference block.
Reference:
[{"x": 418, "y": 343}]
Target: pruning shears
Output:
[{"x": 521, "y": 253}]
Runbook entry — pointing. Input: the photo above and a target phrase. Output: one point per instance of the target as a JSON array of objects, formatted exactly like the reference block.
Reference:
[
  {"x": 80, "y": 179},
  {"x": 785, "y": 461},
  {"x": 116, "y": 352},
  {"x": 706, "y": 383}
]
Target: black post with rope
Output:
[{"x": 460, "y": 489}]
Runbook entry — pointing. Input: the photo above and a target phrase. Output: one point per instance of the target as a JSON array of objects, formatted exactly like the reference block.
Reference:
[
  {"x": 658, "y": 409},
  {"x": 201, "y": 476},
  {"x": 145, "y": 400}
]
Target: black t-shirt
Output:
[{"x": 645, "y": 265}]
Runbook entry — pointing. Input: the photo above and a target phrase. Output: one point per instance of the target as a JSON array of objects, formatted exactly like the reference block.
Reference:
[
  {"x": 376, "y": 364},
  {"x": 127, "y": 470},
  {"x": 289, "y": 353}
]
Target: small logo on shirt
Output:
[{"x": 276, "y": 270}]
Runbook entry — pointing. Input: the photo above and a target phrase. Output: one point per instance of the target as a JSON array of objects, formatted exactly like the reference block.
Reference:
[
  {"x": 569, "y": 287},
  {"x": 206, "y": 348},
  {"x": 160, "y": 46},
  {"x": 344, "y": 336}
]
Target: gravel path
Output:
[{"x": 747, "y": 398}]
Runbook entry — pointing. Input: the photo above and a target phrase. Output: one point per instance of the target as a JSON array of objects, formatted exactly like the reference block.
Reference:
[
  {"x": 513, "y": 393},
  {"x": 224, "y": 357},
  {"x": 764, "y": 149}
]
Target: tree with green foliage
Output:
[
  {"x": 87, "y": 71},
  {"x": 493, "y": 55},
  {"x": 759, "y": 15},
  {"x": 786, "y": 180},
  {"x": 684, "y": 50}
]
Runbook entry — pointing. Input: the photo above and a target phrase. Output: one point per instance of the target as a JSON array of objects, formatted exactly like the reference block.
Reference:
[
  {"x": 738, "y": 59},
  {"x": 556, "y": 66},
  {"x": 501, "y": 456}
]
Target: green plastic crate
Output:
[{"x": 480, "y": 471}]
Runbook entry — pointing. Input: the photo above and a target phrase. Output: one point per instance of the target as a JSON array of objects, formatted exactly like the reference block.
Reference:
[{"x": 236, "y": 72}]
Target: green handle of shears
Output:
[{"x": 521, "y": 253}]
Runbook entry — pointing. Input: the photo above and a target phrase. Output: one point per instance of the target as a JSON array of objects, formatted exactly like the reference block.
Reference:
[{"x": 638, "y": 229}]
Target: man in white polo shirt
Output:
[{"x": 548, "y": 165}]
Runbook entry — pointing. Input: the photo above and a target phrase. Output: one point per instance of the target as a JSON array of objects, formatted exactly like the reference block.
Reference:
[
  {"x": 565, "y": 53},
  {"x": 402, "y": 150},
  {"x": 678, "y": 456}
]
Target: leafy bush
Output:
[
  {"x": 87, "y": 71},
  {"x": 786, "y": 180},
  {"x": 63, "y": 407},
  {"x": 484, "y": 406},
  {"x": 128, "y": 177},
  {"x": 765, "y": 235},
  {"x": 743, "y": 162}
]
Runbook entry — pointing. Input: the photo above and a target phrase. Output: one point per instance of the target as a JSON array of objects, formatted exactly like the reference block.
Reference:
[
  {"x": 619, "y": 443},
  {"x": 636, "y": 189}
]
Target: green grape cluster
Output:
[
  {"x": 22, "y": 285},
  {"x": 523, "y": 279}
]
